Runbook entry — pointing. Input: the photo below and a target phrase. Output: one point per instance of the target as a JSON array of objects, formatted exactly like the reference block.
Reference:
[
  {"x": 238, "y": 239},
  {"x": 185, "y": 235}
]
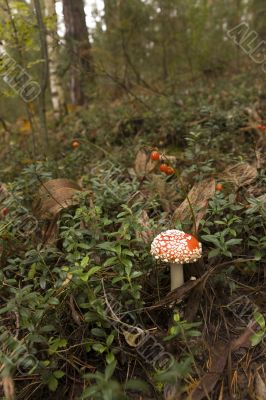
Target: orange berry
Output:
[
  {"x": 170, "y": 171},
  {"x": 75, "y": 144},
  {"x": 219, "y": 187},
  {"x": 164, "y": 168},
  {"x": 5, "y": 211},
  {"x": 261, "y": 127},
  {"x": 155, "y": 155}
]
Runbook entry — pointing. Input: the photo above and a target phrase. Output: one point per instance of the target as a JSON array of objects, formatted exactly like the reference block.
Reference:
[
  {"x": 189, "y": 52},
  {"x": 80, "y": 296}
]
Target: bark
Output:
[
  {"x": 79, "y": 48},
  {"x": 111, "y": 14},
  {"x": 56, "y": 87},
  {"x": 44, "y": 71}
]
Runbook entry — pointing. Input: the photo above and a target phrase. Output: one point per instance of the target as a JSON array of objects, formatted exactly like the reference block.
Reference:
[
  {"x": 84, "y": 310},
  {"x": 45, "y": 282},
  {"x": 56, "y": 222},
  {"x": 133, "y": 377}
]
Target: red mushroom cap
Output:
[{"x": 176, "y": 247}]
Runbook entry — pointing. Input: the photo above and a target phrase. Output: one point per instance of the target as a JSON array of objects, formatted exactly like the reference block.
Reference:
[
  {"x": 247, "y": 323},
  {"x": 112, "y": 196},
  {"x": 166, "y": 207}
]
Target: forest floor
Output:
[{"x": 80, "y": 291}]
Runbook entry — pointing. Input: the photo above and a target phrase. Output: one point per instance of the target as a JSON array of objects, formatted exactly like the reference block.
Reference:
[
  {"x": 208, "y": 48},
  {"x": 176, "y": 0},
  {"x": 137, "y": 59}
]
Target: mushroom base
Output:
[{"x": 177, "y": 275}]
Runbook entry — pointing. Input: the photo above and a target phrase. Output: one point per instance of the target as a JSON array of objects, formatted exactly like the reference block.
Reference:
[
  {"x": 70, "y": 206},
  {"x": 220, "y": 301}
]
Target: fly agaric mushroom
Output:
[{"x": 177, "y": 248}]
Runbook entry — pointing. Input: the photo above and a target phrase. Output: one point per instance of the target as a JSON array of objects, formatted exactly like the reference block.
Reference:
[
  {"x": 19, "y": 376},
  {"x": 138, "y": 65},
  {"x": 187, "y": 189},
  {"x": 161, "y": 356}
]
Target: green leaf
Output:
[
  {"x": 59, "y": 374},
  {"x": 45, "y": 363},
  {"x": 118, "y": 249},
  {"x": 127, "y": 253},
  {"x": 4, "y": 310},
  {"x": 43, "y": 282},
  {"x": 109, "y": 246},
  {"x": 136, "y": 274},
  {"x": 259, "y": 318},
  {"x": 214, "y": 253},
  {"x": 258, "y": 255},
  {"x": 174, "y": 330},
  {"x": 110, "y": 369},
  {"x": 194, "y": 333},
  {"x": 115, "y": 279},
  {"x": 176, "y": 370},
  {"x": 83, "y": 246},
  {"x": 110, "y": 261},
  {"x": 127, "y": 263},
  {"x": 99, "y": 348},
  {"x": 110, "y": 358},
  {"x": 211, "y": 239},
  {"x": 56, "y": 344},
  {"x": 93, "y": 270},
  {"x": 257, "y": 338},
  {"x": 85, "y": 277},
  {"x": 85, "y": 261},
  {"x": 52, "y": 383},
  {"x": 253, "y": 238},
  {"x": 232, "y": 242},
  {"x": 89, "y": 392},
  {"x": 53, "y": 300},
  {"x": 47, "y": 328},
  {"x": 137, "y": 384},
  {"x": 109, "y": 340},
  {"x": 176, "y": 317},
  {"x": 98, "y": 332},
  {"x": 227, "y": 253},
  {"x": 32, "y": 271}
]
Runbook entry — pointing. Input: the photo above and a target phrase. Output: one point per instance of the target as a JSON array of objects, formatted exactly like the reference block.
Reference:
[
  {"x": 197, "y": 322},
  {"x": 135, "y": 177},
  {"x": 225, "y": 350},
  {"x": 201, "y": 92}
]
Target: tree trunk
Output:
[
  {"x": 56, "y": 87},
  {"x": 44, "y": 72},
  {"x": 79, "y": 48},
  {"x": 112, "y": 10}
]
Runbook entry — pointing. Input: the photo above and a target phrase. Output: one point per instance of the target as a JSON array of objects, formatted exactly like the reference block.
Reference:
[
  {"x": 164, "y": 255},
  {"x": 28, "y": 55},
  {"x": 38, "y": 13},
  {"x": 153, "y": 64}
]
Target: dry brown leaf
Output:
[
  {"x": 25, "y": 127},
  {"x": 3, "y": 192},
  {"x": 143, "y": 164},
  {"x": 199, "y": 197},
  {"x": 133, "y": 339},
  {"x": 172, "y": 392},
  {"x": 55, "y": 184},
  {"x": 8, "y": 386},
  {"x": 53, "y": 196},
  {"x": 260, "y": 387},
  {"x": 221, "y": 395},
  {"x": 50, "y": 233},
  {"x": 146, "y": 235},
  {"x": 218, "y": 357},
  {"x": 240, "y": 174},
  {"x": 244, "y": 339},
  {"x": 193, "y": 303},
  {"x": 253, "y": 115},
  {"x": 65, "y": 283},
  {"x": 259, "y": 158},
  {"x": 75, "y": 315}
]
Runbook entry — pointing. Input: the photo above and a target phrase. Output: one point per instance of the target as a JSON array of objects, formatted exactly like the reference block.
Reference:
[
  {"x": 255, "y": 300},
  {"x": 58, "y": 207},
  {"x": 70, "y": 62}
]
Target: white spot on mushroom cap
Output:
[{"x": 172, "y": 246}]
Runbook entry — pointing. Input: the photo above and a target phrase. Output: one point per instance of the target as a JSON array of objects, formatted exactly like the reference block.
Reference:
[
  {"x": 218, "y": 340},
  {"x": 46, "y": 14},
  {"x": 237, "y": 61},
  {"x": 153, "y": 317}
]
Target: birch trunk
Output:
[{"x": 56, "y": 87}]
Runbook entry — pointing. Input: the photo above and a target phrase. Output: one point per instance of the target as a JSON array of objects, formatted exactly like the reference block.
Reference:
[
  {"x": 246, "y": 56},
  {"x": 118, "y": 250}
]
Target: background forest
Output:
[{"x": 121, "y": 119}]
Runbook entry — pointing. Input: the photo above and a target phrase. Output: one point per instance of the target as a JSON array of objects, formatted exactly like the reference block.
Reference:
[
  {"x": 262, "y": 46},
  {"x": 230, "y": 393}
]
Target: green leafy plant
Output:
[
  {"x": 182, "y": 328},
  {"x": 258, "y": 336}
]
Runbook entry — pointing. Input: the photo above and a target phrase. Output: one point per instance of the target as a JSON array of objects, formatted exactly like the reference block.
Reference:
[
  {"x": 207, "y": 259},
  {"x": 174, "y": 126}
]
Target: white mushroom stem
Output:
[{"x": 177, "y": 275}]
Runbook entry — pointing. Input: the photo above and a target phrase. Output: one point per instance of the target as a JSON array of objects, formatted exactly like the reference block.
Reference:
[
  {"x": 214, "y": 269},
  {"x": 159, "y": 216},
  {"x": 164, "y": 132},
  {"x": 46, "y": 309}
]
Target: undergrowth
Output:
[{"x": 78, "y": 292}]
